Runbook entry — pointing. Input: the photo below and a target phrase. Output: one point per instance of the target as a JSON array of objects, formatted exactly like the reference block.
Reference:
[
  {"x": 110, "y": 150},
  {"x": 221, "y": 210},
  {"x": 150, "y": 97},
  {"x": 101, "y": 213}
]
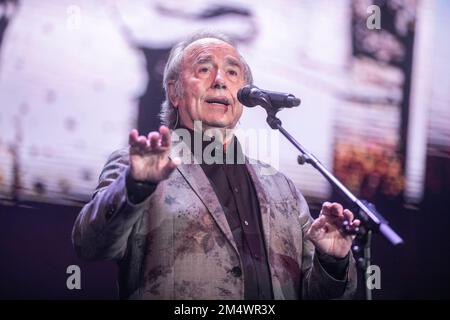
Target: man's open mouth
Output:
[{"x": 222, "y": 101}]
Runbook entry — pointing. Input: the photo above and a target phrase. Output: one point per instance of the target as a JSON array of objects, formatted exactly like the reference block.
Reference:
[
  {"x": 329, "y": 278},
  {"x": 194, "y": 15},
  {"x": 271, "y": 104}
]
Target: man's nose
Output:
[{"x": 219, "y": 81}]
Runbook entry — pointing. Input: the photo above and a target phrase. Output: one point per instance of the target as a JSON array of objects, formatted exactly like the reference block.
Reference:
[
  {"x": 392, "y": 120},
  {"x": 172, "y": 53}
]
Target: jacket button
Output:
[{"x": 236, "y": 271}]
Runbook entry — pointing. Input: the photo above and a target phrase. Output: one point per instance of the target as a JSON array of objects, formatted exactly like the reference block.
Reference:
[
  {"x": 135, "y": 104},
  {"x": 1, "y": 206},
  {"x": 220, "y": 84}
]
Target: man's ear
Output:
[{"x": 173, "y": 97}]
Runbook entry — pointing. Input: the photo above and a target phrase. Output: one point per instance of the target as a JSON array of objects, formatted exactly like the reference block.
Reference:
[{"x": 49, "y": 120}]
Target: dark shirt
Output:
[
  {"x": 237, "y": 196},
  {"x": 236, "y": 193}
]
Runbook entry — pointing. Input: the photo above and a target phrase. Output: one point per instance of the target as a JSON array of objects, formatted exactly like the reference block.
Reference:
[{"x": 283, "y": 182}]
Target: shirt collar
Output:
[{"x": 231, "y": 153}]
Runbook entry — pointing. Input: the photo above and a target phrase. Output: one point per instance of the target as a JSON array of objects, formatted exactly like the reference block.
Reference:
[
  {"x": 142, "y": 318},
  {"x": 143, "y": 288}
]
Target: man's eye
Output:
[
  {"x": 203, "y": 69},
  {"x": 232, "y": 72}
]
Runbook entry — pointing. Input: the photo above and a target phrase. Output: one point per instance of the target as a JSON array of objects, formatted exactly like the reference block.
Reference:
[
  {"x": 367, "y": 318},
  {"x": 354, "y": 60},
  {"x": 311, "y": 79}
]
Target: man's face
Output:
[{"x": 211, "y": 76}]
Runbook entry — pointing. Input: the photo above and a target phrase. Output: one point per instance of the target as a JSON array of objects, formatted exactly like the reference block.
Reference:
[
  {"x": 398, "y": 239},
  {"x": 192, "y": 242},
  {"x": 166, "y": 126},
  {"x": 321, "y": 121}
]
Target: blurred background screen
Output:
[{"x": 77, "y": 76}]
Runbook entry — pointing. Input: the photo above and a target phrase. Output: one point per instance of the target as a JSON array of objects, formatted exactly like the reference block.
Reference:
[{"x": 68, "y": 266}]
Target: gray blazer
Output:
[{"x": 177, "y": 244}]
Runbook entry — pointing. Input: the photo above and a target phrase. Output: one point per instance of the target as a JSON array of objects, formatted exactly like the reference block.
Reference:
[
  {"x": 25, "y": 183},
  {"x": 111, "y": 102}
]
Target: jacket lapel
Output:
[
  {"x": 198, "y": 181},
  {"x": 264, "y": 205}
]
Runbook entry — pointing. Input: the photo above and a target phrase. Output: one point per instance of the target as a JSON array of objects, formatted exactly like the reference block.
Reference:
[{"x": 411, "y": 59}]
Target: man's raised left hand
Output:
[{"x": 326, "y": 231}]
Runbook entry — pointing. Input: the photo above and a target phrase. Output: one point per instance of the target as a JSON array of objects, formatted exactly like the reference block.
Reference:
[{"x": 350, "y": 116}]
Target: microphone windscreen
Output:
[{"x": 243, "y": 96}]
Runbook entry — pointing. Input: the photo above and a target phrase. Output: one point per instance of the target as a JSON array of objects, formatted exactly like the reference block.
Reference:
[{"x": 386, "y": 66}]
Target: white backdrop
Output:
[{"x": 70, "y": 77}]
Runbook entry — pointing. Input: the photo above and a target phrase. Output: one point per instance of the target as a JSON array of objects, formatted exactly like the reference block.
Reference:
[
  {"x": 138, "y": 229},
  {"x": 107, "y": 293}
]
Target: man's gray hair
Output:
[{"x": 172, "y": 72}]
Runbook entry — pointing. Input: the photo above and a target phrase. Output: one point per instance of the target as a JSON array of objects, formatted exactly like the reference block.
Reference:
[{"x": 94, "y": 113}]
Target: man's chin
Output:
[{"x": 217, "y": 123}]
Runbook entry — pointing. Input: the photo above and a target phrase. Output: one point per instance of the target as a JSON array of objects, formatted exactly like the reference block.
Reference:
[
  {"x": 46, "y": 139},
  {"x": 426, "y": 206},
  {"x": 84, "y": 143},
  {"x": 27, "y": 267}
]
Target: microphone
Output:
[{"x": 251, "y": 96}]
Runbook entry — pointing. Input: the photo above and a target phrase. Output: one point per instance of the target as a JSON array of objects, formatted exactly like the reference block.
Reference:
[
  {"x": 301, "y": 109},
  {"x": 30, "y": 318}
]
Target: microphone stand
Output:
[{"x": 371, "y": 219}]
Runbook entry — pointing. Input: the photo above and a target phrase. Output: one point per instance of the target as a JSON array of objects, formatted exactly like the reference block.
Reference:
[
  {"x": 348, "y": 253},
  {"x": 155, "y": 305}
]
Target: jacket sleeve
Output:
[
  {"x": 316, "y": 282},
  {"x": 103, "y": 226}
]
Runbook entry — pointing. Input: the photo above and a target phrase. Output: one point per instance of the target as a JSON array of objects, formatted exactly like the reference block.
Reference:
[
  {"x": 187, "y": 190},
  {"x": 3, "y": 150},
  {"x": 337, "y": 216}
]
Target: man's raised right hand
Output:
[{"x": 149, "y": 156}]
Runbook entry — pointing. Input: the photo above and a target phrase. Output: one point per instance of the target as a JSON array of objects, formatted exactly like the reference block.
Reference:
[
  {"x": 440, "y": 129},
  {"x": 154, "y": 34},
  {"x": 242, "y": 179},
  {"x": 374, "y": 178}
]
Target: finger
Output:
[
  {"x": 141, "y": 142},
  {"x": 326, "y": 206},
  {"x": 154, "y": 138},
  {"x": 348, "y": 215},
  {"x": 171, "y": 165},
  {"x": 132, "y": 137},
  {"x": 337, "y": 210},
  {"x": 334, "y": 222},
  {"x": 356, "y": 223},
  {"x": 176, "y": 161},
  {"x": 352, "y": 228},
  {"x": 166, "y": 140},
  {"x": 318, "y": 224},
  {"x": 332, "y": 209}
]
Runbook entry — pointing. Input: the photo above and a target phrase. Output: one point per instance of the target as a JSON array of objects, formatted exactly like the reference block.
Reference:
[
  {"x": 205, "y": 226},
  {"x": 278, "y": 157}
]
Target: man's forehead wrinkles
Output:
[
  {"x": 204, "y": 58},
  {"x": 198, "y": 50},
  {"x": 193, "y": 51}
]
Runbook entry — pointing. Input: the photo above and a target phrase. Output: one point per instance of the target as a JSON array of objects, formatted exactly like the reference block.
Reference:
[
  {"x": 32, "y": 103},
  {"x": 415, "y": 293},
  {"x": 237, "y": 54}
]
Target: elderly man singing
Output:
[{"x": 202, "y": 230}]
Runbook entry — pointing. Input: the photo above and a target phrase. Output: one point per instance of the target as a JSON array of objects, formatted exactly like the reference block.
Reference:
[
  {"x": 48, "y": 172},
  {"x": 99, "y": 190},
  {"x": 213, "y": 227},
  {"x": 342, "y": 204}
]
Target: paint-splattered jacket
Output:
[{"x": 177, "y": 244}]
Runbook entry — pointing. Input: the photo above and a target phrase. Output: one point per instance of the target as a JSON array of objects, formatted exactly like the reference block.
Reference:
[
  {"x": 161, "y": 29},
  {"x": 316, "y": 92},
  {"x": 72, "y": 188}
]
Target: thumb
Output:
[
  {"x": 316, "y": 227},
  {"x": 170, "y": 166}
]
